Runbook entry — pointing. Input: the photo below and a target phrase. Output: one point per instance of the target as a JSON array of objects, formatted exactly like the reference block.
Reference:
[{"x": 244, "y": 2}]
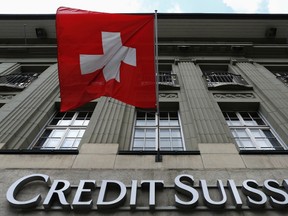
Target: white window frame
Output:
[
  {"x": 248, "y": 128},
  {"x": 156, "y": 132},
  {"x": 66, "y": 128}
]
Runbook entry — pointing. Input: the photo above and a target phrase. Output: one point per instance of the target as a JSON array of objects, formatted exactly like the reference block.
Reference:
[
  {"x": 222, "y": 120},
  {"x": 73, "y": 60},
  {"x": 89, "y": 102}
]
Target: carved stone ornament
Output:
[
  {"x": 6, "y": 96},
  {"x": 233, "y": 95},
  {"x": 168, "y": 95}
]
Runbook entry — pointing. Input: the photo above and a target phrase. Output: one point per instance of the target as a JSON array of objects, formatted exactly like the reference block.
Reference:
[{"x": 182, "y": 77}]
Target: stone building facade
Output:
[{"x": 223, "y": 119}]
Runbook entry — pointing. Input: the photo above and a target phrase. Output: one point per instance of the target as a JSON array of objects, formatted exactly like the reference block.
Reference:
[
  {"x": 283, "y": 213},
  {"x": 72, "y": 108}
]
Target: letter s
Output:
[{"x": 187, "y": 190}]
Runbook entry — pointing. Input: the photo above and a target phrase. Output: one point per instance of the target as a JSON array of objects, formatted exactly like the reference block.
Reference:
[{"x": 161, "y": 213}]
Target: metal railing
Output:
[
  {"x": 215, "y": 79},
  {"x": 168, "y": 78},
  {"x": 283, "y": 77},
  {"x": 18, "y": 81}
]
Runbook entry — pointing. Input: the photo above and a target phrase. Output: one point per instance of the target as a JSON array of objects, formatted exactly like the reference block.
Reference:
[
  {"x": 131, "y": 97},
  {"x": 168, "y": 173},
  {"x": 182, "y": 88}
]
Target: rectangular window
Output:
[
  {"x": 64, "y": 131},
  {"x": 251, "y": 132},
  {"x": 146, "y": 132}
]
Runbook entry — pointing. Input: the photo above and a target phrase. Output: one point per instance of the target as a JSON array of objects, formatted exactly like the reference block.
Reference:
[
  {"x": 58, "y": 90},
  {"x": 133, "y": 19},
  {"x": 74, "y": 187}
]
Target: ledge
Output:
[
  {"x": 33, "y": 151},
  {"x": 262, "y": 152},
  {"x": 161, "y": 152}
]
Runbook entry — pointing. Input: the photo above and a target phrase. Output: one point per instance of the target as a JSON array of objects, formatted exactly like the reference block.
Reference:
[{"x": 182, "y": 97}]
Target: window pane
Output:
[
  {"x": 246, "y": 143},
  {"x": 139, "y": 132},
  {"x": 257, "y": 133},
  {"x": 150, "y": 133},
  {"x": 150, "y": 143},
  {"x": 163, "y": 115},
  {"x": 81, "y": 119},
  {"x": 78, "y": 122},
  {"x": 263, "y": 143},
  {"x": 274, "y": 142},
  {"x": 173, "y": 115},
  {"x": 138, "y": 143},
  {"x": 164, "y": 120},
  {"x": 40, "y": 143},
  {"x": 174, "y": 123},
  {"x": 164, "y": 132},
  {"x": 47, "y": 133},
  {"x": 64, "y": 122},
  {"x": 60, "y": 115},
  {"x": 232, "y": 119},
  {"x": 140, "y": 122},
  {"x": 173, "y": 118},
  {"x": 55, "y": 121},
  {"x": 81, "y": 116},
  {"x": 272, "y": 139},
  {"x": 89, "y": 115},
  {"x": 58, "y": 133},
  {"x": 81, "y": 133},
  {"x": 175, "y": 133},
  {"x": 165, "y": 144},
  {"x": 141, "y": 115},
  {"x": 73, "y": 133},
  {"x": 150, "y": 119},
  {"x": 86, "y": 122},
  {"x": 268, "y": 133},
  {"x": 68, "y": 143},
  {"x": 177, "y": 143},
  {"x": 247, "y": 119},
  {"x": 51, "y": 143},
  {"x": 76, "y": 143},
  {"x": 69, "y": 115},
  {"x": 257, "y": 118},
  {"x": 239, "y": 133}
]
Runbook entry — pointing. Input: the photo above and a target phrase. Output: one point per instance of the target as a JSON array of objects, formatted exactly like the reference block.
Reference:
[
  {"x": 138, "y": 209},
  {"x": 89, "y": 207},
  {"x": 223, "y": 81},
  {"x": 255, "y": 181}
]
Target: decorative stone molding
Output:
[
  {"x": 234, "y": 95},
  {"x": 6, "y": 96},
  {"x": 168, "y": 95},
  {"x": 241, "y": 60},
  {"x": 176, "y": 61}
]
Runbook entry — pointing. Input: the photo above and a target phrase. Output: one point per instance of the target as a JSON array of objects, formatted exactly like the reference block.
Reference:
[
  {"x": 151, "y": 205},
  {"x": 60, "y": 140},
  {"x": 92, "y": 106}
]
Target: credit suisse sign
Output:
[{"x": 88, "y": 195}]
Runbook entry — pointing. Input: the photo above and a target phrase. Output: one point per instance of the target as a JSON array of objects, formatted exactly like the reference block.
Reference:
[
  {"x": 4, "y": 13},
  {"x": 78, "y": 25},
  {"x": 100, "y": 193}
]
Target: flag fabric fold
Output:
[{"x": 103, "y": 54}]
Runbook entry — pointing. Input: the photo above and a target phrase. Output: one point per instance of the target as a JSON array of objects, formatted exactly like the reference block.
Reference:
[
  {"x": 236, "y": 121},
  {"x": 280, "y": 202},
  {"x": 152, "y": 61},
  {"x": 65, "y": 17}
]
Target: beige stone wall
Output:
[{"x": 105, "y": 156}]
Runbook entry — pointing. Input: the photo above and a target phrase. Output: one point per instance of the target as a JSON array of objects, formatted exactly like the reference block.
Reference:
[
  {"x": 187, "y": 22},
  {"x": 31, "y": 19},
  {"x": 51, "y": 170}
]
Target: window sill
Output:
[
  {"x": 33, "y": 151},
  {"x": 248, "y": 152},
  {"x": 161, "y": 152}
]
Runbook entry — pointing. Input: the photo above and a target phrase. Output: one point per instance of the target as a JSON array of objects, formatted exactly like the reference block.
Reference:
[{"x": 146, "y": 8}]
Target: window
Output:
[
  {"x": 146, "y": 132},
  {"x": 251, "y": 132},
  {"x": 64, "y": 131}
]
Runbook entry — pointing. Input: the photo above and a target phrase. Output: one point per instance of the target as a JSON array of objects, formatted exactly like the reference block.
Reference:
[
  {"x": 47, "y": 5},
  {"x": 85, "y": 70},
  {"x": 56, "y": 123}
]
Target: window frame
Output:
[
  {"x": 155, "y": 128},
  {"x": 37, "y": 144},
  {"x": 251, "y": 137}
]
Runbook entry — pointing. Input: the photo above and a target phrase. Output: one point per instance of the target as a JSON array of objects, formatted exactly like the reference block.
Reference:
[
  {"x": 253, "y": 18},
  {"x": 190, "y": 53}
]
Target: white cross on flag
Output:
[{"x": 101, "y": 54}]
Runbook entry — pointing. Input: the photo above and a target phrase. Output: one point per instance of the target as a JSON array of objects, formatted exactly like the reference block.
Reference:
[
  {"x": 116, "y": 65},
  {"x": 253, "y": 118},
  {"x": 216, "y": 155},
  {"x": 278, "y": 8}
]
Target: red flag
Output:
[{"x": 102, "y": 54}]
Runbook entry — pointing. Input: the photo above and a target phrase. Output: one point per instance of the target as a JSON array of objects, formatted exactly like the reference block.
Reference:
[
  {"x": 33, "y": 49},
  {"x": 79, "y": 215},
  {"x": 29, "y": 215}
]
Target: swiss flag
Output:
[{"x": 102, "y": 54}]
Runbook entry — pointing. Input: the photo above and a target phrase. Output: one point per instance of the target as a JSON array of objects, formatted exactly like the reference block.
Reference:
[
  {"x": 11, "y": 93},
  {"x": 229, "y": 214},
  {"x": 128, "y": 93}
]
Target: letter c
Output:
[{"x": 18, "y": 185}]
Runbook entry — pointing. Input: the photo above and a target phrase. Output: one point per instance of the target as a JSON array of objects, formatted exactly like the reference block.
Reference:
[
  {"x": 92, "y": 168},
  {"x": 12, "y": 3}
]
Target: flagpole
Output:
[{"x": 158, "y": 156}]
